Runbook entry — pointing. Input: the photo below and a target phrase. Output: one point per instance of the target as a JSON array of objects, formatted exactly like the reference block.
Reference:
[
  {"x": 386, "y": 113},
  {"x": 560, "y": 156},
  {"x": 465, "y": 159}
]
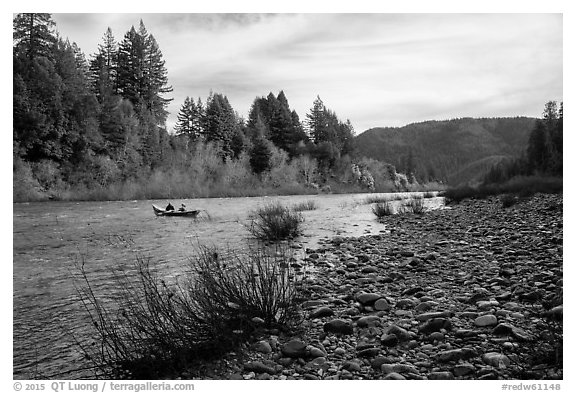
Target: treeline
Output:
[
  {"x": 544, "y": 153},
  {"x": 96, "y": 129}
]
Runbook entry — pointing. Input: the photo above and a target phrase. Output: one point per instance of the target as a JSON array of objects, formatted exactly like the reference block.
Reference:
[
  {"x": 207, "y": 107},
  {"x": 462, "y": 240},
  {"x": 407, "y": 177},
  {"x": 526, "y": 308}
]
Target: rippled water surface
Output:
[{"x": 51, "y": 238}]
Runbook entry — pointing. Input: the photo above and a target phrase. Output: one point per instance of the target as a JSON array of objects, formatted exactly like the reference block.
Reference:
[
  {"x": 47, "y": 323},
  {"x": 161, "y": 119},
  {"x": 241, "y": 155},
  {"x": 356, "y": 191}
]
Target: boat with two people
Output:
[{"x": 170, "y": 211}]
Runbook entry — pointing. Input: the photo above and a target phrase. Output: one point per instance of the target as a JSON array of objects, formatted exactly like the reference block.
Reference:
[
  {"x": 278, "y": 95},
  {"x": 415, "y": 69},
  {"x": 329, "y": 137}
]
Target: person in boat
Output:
[
  {"x": 182, "y": 208},
  {"x": 169, "y": 207}
]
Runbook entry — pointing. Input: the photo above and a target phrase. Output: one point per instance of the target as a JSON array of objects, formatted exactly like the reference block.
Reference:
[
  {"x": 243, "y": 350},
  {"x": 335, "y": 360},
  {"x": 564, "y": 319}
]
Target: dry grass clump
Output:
[
  {"x": 305, "y": 206},
  {"x": 382, "y": 210},
  {"x": 275, "y": 222}
]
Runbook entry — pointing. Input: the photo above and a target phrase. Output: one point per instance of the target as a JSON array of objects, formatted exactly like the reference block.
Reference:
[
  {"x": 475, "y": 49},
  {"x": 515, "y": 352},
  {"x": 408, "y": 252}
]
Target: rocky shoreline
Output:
[{"x": 469, "y": 292}]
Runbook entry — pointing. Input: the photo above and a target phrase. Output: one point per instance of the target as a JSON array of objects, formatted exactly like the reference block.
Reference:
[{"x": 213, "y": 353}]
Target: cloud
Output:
[{"x": 376, "y": 69}]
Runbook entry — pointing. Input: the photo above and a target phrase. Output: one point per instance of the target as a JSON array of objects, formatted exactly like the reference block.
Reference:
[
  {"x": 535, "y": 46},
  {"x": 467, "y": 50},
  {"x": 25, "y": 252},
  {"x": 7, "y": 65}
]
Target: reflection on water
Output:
[{"x": 50, "y": 239}]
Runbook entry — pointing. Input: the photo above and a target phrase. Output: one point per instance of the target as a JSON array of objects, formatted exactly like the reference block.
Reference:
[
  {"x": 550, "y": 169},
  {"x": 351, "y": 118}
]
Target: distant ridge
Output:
[{"x": 454, "y": 151}]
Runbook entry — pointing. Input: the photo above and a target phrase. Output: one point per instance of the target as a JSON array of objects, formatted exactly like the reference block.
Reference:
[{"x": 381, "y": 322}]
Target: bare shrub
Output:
[
  {"x": 415, "y": 205},
  {"x": 382, "y": 209},
  {"x": 152, "y": 329},
  {"x": 275, "y": 222}
]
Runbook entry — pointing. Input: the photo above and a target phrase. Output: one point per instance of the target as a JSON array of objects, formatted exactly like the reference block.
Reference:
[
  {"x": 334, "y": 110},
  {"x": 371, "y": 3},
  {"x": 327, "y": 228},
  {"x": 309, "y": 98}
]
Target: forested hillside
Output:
[
  {"x": 95, "y": 128},
  {"x": 453, "y": 151}
]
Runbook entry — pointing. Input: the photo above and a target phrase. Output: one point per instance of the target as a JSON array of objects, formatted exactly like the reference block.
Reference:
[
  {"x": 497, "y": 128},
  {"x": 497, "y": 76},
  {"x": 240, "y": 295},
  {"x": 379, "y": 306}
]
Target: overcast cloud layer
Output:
[{"x": 375, "y": 69}]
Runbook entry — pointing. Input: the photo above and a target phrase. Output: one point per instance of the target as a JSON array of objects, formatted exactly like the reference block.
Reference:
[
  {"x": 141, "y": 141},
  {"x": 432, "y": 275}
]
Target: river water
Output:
[{"x": 51, "y": 238}]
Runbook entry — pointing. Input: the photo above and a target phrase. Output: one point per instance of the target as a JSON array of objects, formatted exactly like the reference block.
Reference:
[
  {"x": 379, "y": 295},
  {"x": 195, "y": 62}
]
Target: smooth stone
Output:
[
  {"x": 351, "y": 366},
  {"x": 463, "y": 369},
  {"x": 405, "y": 303},
  {"x": 404, "y": 368},
  {"x": 369, "y": 321},
  {"x": 367, "y": 299},
  {"x": 486, "y": 320},
  {"x": 425, "y": 306},
  {"x": 430, "y": 315},
  {"x": 339, "y": 351},
  {"x": 454, "y": 355},
  {"x": 389, "y": 340},
  {"x": 502, "y": 329},
  {"x": 394, "y": 376},
  {"x": 441, "y": 375},
  {"x": 378, "y": 361},
  {"x": 436, "y": 336},
  {"x": 401, "y": 333},
  {"x": 294, "y": 349},
  {"x": 435, "y": 325},
  {"x": 259, "y": 367},
  {"x": 321, "y": 312},
  {"x": 381, "y": 305},
  {"x": 263, "y": 347},
  {"x": 316, "y": 352},
  {"x": 338, "y": 326},
  {"x": 496, "y": 359}
]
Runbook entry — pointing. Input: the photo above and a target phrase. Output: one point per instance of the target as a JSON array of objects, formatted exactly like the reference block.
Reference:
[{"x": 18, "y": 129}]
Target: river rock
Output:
[
  {"x": 369, "y": 321},
  {"x": 338, "y": 326},
  {"x": 441, "y": 375},
  {"x": 263, "y": 347},
  {"x": 321, "y": 312},
  {"x": 435, "y": 325},
  {"x": 486, "y": 320},
  {"x": 463, "y": 369},
  {"x": 454, "y": 355},
  {"x": 496, "y": 359},
  {"x": 389, "y": 340},
  {"x": 502, "y": 329},
  {"x": 294, "y": 349},
  {"x": 367, "y": 299},
  {"x": 401, "y": 333},
  {"x": 394, "y": 376},
  {"x": 351, "y": 366},
  {"x": 430, "y": 315},
  {"x": 381, "y": 305},
  {"x": 405, "y": 303},
  {"x": 425, "y": 306}
]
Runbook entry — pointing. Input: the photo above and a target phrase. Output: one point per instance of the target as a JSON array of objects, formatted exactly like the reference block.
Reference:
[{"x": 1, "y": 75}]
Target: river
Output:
[{"x": 51, "y": 238}]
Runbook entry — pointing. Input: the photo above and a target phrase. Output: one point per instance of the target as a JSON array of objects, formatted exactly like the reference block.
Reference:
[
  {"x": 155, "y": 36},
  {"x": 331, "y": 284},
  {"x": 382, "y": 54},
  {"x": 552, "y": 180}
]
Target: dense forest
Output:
[{"x": 96, "y": 129}]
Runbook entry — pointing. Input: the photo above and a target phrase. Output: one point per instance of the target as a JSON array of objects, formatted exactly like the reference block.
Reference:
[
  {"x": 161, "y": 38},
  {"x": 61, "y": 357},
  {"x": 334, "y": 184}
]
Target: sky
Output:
[{"x": 377, "y": 69}]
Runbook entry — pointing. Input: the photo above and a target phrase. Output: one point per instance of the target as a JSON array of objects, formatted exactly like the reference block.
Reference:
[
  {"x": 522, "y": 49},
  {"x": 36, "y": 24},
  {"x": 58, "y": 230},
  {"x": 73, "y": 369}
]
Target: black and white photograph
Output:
[{"x": 201, "y": 197}]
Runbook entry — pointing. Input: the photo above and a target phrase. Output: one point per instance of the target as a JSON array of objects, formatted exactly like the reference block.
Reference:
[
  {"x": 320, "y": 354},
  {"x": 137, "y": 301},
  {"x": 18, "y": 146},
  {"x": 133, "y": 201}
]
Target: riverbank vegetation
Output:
[
  {"x": 155, "y": 329},
  {"x": 95, "y": 129},
  {"x": 275, "y": 222}
]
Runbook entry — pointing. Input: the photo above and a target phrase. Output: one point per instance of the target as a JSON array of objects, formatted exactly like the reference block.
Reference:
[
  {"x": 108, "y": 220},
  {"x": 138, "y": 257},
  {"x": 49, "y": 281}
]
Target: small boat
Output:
[{"x": 186, "y": 213}]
